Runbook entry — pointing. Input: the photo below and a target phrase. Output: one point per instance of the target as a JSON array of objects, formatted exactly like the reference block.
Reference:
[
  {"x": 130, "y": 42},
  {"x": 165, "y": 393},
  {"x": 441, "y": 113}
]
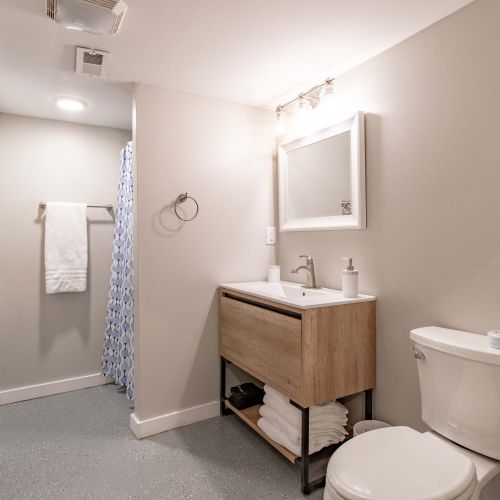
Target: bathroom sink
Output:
[
  {"x": 289, "y": 290},
  {"x": 294, "y": 294}
]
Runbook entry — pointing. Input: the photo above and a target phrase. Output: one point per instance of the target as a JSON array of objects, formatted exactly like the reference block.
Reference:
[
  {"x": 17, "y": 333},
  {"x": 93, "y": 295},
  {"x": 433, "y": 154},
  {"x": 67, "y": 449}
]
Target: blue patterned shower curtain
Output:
[{"x": 118, "y": 352}]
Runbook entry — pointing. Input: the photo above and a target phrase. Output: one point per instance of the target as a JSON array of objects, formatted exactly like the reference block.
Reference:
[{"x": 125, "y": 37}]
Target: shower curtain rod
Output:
[{"x": 108, "y": 206}]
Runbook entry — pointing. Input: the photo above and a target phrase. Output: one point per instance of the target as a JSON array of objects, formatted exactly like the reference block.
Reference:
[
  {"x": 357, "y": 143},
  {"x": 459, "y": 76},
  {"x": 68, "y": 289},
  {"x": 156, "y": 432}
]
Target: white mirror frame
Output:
[{"x": 357, "y": 219}]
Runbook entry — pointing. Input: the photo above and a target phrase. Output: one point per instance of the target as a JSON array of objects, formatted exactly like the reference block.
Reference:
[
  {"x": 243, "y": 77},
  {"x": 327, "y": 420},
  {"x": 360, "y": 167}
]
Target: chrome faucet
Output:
[{"x": 309, "y": 267}]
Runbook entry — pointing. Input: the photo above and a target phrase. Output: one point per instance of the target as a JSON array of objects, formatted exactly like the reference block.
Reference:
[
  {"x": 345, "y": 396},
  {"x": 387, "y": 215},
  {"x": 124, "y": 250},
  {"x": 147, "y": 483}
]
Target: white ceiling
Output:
[{"x": 249, "y": 51}]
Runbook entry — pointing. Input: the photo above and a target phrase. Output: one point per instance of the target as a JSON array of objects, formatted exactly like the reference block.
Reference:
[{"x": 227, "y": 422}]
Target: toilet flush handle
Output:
[{"x": 417, "y": 352}]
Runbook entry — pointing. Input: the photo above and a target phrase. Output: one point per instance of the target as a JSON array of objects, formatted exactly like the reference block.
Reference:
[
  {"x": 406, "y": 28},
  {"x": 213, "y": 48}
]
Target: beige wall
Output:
[
  {"x": 221, "y": 153},
  {"x": 51, "y": 337},
  {"x": 431, "y": 252}
]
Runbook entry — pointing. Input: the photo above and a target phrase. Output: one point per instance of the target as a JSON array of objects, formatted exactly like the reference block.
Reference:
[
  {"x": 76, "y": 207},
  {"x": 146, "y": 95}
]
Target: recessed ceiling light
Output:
[
  {"x": 70, "y": 103},
  {"x": 77, "y": 28}
]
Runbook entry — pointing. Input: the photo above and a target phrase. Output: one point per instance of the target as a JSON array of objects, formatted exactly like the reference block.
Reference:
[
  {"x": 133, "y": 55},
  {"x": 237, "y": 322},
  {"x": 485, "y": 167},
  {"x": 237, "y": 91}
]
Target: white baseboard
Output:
[
  {"x": 49, "y": 388},
  {"x": 162, "y": 423}
]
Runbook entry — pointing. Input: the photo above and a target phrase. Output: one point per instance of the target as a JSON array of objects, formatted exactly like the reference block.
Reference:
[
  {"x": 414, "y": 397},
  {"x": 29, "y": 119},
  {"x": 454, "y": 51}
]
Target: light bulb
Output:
[
  {"x": 327, "y": 95},
  {"x": 280, "y": 121},
  {"x": 304, "y": 105},
  {"x": 303, "y": 114}
]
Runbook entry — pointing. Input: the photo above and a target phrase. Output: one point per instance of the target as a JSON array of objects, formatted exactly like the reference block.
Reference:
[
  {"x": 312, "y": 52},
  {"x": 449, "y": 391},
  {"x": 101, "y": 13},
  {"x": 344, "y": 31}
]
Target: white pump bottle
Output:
[{"x": 350, "y": 280}]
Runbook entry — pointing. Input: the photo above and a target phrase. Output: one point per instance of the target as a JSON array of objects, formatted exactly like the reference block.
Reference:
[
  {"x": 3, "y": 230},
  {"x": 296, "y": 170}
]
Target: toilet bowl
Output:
[
  {"x": 459, "y": 381},
  {"x": 399, "y": 463}
]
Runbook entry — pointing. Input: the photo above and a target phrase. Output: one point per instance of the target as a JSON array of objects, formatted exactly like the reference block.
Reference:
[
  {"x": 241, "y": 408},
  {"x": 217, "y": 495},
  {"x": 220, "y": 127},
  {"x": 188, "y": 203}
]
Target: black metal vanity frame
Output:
[{"x": 307, "y": 486}]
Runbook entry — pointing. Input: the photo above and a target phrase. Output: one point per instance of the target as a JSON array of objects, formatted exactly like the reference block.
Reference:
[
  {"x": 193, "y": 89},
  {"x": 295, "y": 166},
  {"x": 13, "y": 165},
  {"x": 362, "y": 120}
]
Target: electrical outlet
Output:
[{"x": 270, "y": 235}]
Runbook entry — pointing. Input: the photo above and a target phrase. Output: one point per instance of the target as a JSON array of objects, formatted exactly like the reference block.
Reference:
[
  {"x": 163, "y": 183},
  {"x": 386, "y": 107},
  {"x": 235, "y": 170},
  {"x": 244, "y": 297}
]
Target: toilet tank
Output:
[{"x": 460, "y": 387}]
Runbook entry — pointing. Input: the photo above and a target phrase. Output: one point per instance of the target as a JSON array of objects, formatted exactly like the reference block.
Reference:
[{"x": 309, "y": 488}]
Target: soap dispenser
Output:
[{"x": 350, "y": 280}]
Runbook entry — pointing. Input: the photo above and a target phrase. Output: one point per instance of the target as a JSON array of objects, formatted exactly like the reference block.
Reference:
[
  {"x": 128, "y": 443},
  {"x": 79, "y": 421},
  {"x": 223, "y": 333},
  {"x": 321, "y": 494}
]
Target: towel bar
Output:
[{"x": 108, "y": 206}]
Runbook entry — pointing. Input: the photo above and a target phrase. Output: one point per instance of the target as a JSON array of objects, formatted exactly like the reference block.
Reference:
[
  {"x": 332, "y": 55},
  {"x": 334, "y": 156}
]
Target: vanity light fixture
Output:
[
  {"x": 304, "y": 104},
  {"x": 70, "y": 103}
]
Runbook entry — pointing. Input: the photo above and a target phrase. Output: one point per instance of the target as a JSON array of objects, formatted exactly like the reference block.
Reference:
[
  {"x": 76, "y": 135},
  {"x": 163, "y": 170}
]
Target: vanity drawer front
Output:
[{"x": 265, "y": 342}]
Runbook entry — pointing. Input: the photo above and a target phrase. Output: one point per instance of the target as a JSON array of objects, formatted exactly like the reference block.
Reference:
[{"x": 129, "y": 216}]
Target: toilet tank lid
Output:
[{"x": 467, "y": 345}]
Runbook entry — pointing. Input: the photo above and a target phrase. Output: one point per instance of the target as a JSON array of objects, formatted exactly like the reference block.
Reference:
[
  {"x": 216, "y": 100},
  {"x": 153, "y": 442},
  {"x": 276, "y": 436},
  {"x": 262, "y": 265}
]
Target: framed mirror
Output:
[{"x": 322, "y": 179}]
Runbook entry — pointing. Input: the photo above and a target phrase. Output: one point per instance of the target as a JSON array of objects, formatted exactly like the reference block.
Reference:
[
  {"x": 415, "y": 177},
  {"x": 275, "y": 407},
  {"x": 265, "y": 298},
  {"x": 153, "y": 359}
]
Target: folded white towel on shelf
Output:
[
  {"x": 277, "y": 435},
  {"x": 320, "y": 419},
  {"x": 333, "y": 433},
  {"x": 65, "y": 247},
  {"x": 318, "y": 415},
  {"x": 282, "y": 422},
  {"x": 334, "y": 407}
]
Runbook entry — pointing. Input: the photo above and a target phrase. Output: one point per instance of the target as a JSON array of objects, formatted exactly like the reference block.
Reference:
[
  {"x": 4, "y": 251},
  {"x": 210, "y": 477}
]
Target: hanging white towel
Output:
[{"x": 65, "y": 247}]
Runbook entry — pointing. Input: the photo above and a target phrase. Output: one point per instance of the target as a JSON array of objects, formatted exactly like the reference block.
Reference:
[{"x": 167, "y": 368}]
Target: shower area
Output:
[{"x": 67, "y": 316}]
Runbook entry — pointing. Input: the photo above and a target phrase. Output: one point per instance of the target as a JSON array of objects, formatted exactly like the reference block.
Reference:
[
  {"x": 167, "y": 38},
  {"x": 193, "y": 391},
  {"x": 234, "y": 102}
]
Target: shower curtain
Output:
[{"x": 118, "y": 352}]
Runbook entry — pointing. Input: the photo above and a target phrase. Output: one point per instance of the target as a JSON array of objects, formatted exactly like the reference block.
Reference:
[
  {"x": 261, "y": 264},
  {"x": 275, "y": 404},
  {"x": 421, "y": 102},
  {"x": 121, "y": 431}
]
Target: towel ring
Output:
[{"x": 181, "y": 199}]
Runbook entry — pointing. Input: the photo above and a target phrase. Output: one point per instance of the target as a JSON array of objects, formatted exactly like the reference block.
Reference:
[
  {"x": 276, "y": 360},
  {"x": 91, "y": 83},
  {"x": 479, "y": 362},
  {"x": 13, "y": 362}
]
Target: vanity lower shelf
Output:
[{"x": 251, "y": 416}]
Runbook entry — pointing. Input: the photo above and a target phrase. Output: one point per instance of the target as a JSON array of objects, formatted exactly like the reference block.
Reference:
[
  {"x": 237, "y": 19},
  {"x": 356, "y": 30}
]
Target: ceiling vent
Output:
[
  {"x": 101, "y": 17},
  {"x": 93, "y": 63},
  {"x": 51, "y": 9}
]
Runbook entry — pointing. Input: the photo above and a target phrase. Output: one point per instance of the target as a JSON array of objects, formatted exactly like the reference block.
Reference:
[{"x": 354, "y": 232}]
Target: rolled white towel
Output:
[
  {"x": 322, "y": 420},
  {"x": 294, "y": 415},
  {"x": 318, "y": 443},
  {"x": 334, "y": 433},
  {"x": 331, "y": 408},
  {"x": 276, "y": 435},
  {"x": 320, "y": 426}
]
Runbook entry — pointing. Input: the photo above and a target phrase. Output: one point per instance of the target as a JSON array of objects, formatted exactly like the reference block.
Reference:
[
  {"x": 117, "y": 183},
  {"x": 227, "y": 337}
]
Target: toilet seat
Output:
[
  {"x": 399, "y": 463},
  {"x": 331, "y": 494}
]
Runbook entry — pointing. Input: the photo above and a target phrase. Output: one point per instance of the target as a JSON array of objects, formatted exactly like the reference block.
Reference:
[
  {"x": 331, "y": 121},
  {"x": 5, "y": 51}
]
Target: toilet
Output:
[{"x": 459, "y": 459}]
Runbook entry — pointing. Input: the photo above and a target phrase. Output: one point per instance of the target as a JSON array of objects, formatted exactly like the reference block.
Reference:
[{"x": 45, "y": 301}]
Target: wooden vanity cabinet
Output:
[{"x": 312, "y": 356}]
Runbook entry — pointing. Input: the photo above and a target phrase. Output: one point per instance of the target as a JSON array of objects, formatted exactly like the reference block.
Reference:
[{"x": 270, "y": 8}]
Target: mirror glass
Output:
[
  {"x": 319, "y": 177},
  {"x": 322, "y": 179}
]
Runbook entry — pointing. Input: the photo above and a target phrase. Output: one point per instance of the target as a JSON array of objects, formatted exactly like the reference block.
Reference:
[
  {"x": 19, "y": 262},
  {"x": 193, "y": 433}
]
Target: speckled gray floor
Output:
[{"x": 78, "y": 446}]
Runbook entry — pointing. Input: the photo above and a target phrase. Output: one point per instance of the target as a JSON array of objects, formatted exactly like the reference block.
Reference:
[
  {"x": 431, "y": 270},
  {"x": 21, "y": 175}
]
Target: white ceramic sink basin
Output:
[{"x": 294, "y": 294}]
